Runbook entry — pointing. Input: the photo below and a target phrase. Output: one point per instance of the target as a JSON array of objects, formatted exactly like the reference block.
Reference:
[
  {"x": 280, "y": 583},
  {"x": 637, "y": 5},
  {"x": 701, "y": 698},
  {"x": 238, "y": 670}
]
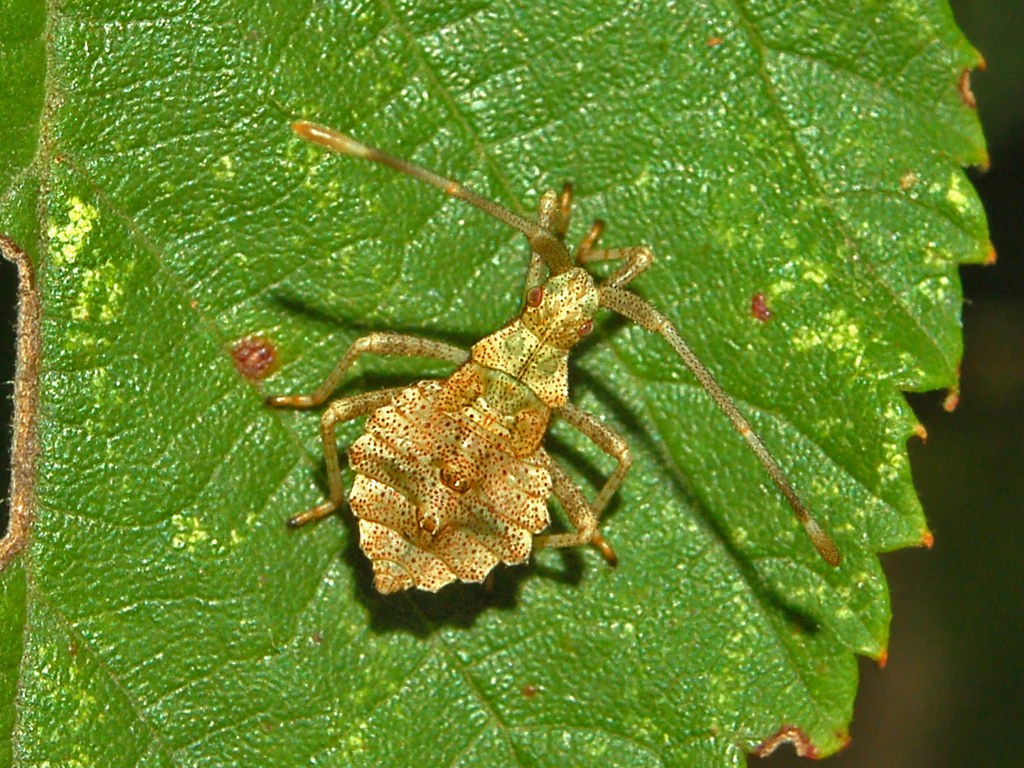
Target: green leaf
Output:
[{"x": 162, "y": 614}]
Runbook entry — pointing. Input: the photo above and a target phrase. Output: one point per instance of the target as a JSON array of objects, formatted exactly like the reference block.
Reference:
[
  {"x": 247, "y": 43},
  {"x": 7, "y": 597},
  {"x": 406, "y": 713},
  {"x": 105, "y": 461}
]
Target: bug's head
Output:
[{"x": 561, "y": 310}]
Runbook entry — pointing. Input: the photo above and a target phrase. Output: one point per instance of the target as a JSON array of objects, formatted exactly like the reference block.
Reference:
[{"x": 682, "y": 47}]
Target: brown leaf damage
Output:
[
  {"x": 25, "y": 444},
  {"x": 963, "y": 85},
  {"x": 255, "y": 357},
  {"x": 788, "y": 734}
]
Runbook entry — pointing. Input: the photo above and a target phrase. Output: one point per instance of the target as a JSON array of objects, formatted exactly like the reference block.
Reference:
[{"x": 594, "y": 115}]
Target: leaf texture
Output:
[{"x": 162, "y": 615}]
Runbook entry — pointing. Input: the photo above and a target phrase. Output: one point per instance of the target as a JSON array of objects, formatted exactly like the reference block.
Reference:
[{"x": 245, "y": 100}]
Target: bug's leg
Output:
[
  {"x": 631, "y": 306},
  {"x": 561, "y": 224},
  {"x": 580, "y": 515},
  {"x": 585, "y": 250},
  {"x": 609, "y": 441},
  {"x": 338, "y": 412},
  {"x": 383, "y": 343},
  {"x": 552, "y": 215},
  {"x": 638, "y": 259},
  {"x": 554, "y": 210}
]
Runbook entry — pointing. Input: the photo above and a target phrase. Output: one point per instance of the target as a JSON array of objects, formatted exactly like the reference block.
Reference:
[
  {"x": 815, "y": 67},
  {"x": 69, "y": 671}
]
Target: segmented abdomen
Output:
[{"x": 440, "y": 496}]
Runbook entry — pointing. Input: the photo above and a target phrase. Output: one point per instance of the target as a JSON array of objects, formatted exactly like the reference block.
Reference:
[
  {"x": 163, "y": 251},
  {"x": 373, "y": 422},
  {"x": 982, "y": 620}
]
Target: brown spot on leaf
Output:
[
  {"x": 991, "y": 258},
  {"x": 908, "y": 180},
  {"x": 24, "y": 443},
  {"x": 883, "y": 658},
  {"x": 255, "y": 357},
  {"x": 759, "y": 308},
  {"x": 927, "y": 540},
  {"x": 529, "y": 691},
  {"x": 788, "y": 734},
  {"x": 964, "y": 86},
  {"x": 713, "y": 41},
  {"x": 921, "y": 432}
]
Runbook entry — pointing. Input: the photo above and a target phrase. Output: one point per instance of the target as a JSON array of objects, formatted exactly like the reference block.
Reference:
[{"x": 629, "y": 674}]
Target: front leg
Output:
[{"x": 383, "y": 343}]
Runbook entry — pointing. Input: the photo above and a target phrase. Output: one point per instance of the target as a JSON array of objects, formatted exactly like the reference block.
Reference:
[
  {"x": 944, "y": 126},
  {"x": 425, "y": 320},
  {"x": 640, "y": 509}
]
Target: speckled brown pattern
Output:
[{"x": 440, "y": 495}]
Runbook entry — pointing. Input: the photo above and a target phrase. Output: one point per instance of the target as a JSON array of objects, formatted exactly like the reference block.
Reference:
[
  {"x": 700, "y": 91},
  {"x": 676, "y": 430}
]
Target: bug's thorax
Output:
[
  {"x": 494, "y": 404},
  {"x": 534, "y": 348}
]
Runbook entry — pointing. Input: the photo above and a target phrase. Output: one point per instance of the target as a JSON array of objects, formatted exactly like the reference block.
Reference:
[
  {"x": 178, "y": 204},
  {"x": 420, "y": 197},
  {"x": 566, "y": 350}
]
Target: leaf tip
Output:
[
  {"x": 927, "y": 539},
  {"x": 952, "y": 399},
  {"x": 963, "y": 85}
]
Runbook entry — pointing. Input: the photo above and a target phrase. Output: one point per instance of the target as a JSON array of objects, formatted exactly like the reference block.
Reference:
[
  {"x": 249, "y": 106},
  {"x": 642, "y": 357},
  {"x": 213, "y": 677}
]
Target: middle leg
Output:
[
  {"x": 580, "y": 515},
  {"x": 338, "y": 412},
  {"x": 609, "y": 441}
]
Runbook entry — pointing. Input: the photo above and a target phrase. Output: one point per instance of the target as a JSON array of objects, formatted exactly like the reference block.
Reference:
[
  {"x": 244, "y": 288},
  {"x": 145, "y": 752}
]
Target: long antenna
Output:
[
  {"x": 821, "y": 540},
  {"x": 629, "y": 305},
  {"x": 543, "y": 242}
]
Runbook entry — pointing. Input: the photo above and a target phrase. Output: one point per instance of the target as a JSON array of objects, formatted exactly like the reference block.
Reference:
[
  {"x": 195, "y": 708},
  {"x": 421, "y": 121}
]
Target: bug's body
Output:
[{"x": 451, "y": 475}]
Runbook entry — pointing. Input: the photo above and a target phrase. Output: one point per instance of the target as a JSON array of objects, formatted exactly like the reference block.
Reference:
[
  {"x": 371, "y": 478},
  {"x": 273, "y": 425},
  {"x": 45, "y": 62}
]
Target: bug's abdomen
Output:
[{"x": 440, "y": 496}]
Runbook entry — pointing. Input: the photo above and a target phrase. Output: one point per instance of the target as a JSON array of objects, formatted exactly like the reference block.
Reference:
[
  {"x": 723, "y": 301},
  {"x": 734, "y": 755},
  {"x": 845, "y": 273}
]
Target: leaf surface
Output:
[{"x": 162, "y": 614}]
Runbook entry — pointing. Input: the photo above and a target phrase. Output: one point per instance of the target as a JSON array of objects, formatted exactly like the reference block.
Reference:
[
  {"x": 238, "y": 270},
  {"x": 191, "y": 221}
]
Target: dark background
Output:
[{"x": 950, "y": 695}]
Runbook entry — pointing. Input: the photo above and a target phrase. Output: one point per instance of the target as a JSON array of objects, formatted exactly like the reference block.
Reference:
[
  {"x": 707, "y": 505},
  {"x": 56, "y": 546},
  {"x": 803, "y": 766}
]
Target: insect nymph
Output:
[{"x": 451, "y": 475}]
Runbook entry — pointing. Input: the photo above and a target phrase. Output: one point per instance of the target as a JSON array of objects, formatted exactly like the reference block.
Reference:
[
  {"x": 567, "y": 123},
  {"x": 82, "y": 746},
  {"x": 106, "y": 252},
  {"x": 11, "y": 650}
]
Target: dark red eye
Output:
[
  {"x": 586, "y": 328},
  {"x": 535, "y": 296}
]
